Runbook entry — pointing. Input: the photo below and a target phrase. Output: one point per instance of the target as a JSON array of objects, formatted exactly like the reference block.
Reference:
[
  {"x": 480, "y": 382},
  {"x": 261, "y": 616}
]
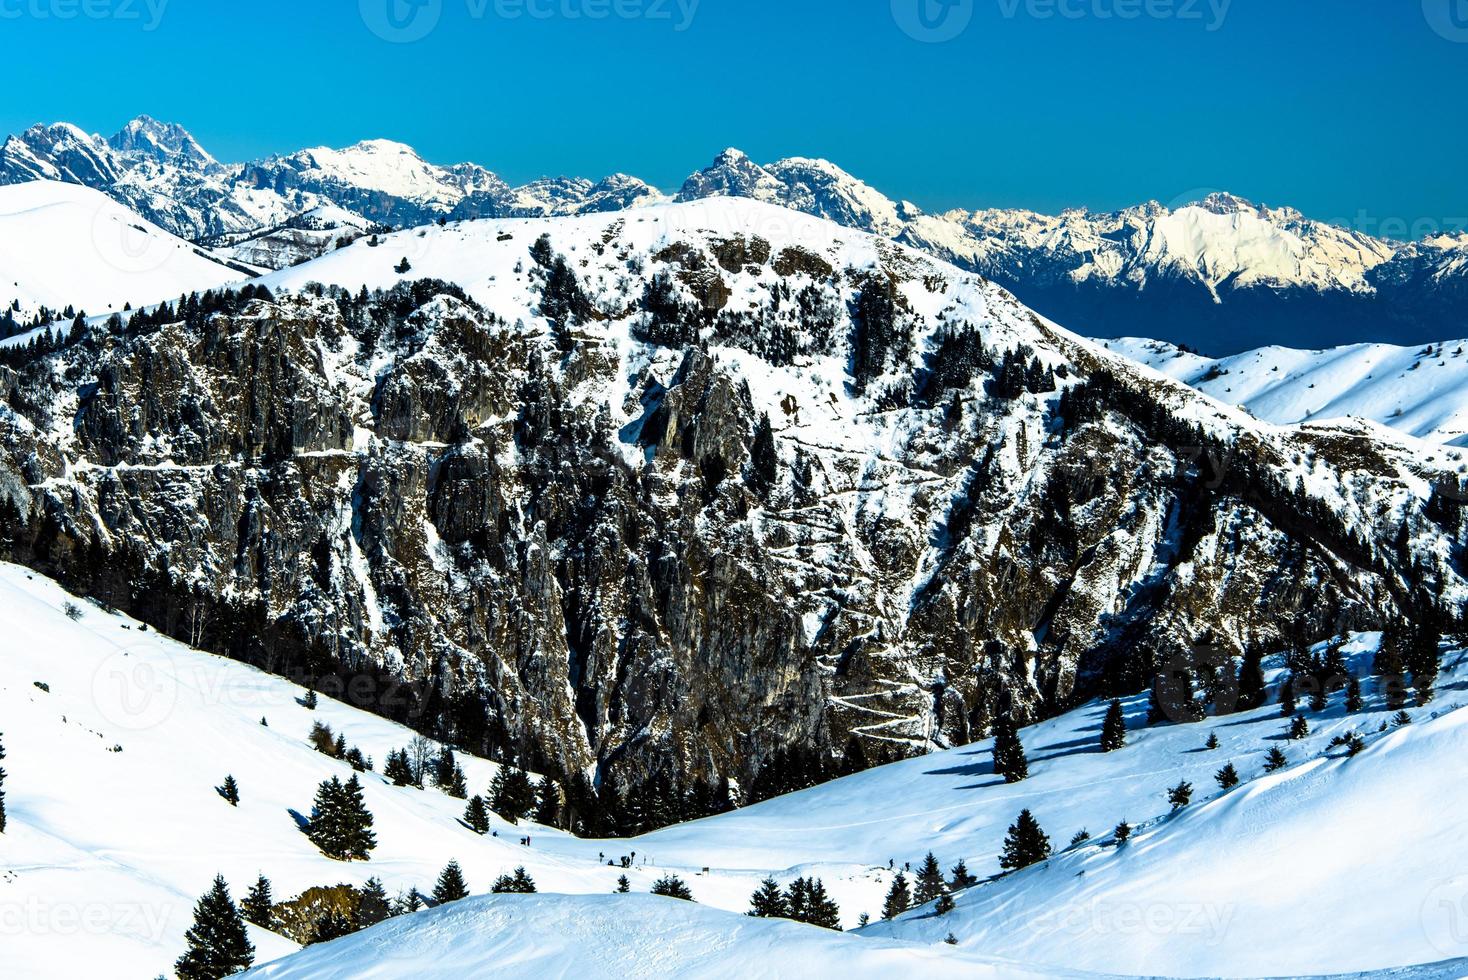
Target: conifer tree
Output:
[
  {"x": 945, "y": 903},
  {"x": 451, "y": 886},
  {"x": 899, "y": 898},
  {"x": 511, "y": 794},
  {"x": 1228, "y": 777},
  {"x": 310, "y": 700},
  {"x": 1354, "y": 702},
  {"x": 1299, "y": 728},
  {"x": 477, "y": 816},
  {"x": 821, "y": 909},
  {"x": 218, "y": 944},
  {"x": 230, "y": 790},
  {"x": 1009, "y": 753},
  {"x": 258, "y": 908},
  {"x": 524, "y": 884},
  {"x": 1025, "y": 844},
  {"x": 1081, "y": 836},
  {"x": 1122, "y": 833},
  {"x": 623, "y": 885},
  {"x": 1212, "y": 742},
  {"x": 398, "y": 769},
  {"x": 548, "y": 803},
  {"x": 671, "y": 886},
  {"x": 768, "y": 902},
  {"x": 372, "y": 904},
  {"x": 1275, "y": 761},
  {"x": 341, "y": 825},
  {"x": 1251, "y": 679},
  {"x": 797, "y": 900},
  {"x": 929, "y": 880},
  {"x": 457, "y": 786},
  {"x": 1287, "y": 697},
  {"x": 1401, "y": 718},
  {"x": 1180, "y": 795},
  {"x": 961, "y": 878},
  {"x": 1113, "y": 728}
]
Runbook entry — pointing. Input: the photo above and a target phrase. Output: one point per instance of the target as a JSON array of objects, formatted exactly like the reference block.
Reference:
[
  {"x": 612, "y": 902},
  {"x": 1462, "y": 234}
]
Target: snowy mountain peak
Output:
[
  {"x": 163, "y": 142},
  {"x": 1222, "y": 202}
]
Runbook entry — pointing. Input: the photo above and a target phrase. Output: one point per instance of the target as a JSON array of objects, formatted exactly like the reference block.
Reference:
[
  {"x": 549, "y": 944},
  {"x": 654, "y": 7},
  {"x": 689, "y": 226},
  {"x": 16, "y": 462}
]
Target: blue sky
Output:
[{"x": 1348, "y": 109}]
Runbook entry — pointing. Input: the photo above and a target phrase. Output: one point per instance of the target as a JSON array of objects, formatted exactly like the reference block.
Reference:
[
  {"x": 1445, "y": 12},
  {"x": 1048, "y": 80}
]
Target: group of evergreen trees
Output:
[
  {"x": 340, "y": 824},
  {"x": 218, "y": 943},
  {"x": 928, "y": 885},
  {"x": 804, "y": 901},
  {"x": 2, "y": 786},
  {"x": 334, "y": 745}
]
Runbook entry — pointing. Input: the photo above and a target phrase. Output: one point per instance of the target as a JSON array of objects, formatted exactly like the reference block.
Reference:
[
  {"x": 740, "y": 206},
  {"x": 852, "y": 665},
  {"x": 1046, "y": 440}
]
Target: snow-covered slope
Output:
[
  {"x": 612, "y": 937},
  {"x": 1422, "y": 391},
  {"x": 62, "y": 244},
  {"x": 1336, "y": 864},
  {"x": 116, "y": 738}
]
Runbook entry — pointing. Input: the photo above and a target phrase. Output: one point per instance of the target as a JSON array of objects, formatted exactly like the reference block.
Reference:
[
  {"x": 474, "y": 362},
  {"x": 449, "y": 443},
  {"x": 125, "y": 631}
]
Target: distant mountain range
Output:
[{"x": 1221, "y": 275}]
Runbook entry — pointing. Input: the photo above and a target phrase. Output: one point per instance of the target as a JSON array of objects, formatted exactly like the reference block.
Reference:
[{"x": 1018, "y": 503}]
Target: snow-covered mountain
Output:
[
  {"x": 66, "y": 245},
  {"x": 1219, "y": 274},
  {"x": 1422, "y": 391}
]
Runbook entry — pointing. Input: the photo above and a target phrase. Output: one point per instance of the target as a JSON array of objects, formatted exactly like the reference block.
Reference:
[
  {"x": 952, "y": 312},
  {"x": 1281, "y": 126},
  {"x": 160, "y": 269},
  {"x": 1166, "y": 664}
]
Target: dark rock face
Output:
[{"x": 573, "y": 555}]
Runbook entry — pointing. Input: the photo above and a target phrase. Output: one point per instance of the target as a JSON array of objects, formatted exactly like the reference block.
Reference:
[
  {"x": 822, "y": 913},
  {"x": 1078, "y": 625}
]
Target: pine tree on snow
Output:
[
  {"x": 1025, "y": 844},
  {"x": 821, "y": 909},
  {"x": 671, "y": 886},
  {"x": 457, "y": 787},
  {"x": 477, "y": 816},
  {"x": 1299, "y": 728},
  {"x": 1009, "y": 753},
  {"x": 961, "y": 878},
  {"x": 768, "y": 902},
  {"x": 1122, "y": 833},
  {"x": 451, "y": 886},
  {"x": 929, "y": 880},
  {"x": 230, "y": 790},
  {"x": 2, "y": 787},
  {"x": 1228, "y": 777},
  {"x": 398, "y": 769},
  {"x": 1275, "y": 761},
  {"x": 1180, "y": 795},
  {"x": 1354, "y": 702},
  {"x": 797, "y": 900},
  {"x": 218, "y": 944},
  {"x": 258, "y": 908},
  {"x": 899, "y": 898},
  {"x": 624, "y": 886},
  {"x": 372, "y": 904},
  {"x": 1113, "y": 728},
  {"x": 945, "y": 903},
  {"x": 1287, "y": 699}
]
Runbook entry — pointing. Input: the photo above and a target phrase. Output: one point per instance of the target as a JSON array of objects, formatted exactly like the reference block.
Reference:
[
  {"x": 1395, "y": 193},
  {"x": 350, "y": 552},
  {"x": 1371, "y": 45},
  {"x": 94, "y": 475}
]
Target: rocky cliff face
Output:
[{"x": 670, "y": 493}]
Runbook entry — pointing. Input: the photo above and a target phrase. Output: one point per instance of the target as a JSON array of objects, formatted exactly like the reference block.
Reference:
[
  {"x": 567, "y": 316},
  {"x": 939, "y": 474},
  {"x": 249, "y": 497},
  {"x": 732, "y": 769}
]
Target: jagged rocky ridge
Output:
[
  {"x": 1219, "y": 273},
  {"x": 537, "y": 486}
]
